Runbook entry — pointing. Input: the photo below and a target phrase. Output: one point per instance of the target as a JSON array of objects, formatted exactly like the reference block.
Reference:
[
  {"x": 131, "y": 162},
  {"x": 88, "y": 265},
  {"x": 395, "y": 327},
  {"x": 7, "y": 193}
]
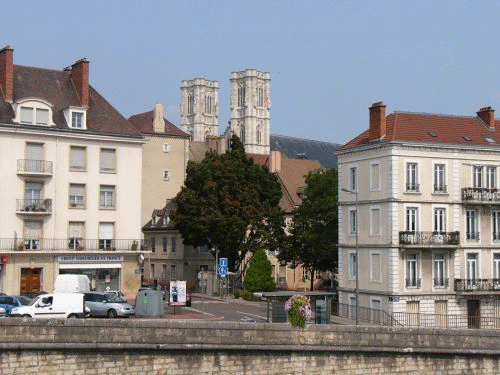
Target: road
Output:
[{"x": 230, "y": 309}]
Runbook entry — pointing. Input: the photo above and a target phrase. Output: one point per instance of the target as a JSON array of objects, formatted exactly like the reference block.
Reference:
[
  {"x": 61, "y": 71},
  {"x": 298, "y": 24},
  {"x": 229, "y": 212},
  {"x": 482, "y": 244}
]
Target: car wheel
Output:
[
  {"x": 112, "y": 314},
  {"x": 26, "y": 316},
  {"x": 72, "y": 316}
]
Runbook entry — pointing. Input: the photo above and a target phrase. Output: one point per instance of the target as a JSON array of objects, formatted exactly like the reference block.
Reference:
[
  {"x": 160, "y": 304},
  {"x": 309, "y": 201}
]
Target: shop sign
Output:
[{"x": 90, "y": 259}]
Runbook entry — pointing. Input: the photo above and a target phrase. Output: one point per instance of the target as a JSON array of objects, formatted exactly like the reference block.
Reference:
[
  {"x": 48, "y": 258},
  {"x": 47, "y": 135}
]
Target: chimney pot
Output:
[
  {"x": 377, "y": 121},
  {"x": 7, "y": 73},
  {"x": 487, "y": 115}
]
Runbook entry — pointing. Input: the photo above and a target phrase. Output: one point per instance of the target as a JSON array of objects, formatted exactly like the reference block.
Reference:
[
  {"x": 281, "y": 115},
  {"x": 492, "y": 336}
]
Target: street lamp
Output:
[{"x": 356, "y": 290}]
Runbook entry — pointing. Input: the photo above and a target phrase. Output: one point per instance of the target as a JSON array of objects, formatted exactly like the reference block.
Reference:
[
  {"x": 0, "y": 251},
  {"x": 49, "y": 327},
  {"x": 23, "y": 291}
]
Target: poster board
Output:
[{"x": 177, "y": 293}]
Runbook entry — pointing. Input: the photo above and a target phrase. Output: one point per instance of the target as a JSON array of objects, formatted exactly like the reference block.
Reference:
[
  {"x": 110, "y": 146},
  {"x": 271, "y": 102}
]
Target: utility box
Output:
[
  {"x": 149, "y": 303},
  {"x": 279, "y": 315},
  {"x": 322, "y": 311}
]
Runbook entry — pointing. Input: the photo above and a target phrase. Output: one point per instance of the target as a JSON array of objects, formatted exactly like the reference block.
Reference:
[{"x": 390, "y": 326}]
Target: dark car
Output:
[
  {"x": 32, "y": 295},
  {"x": 10, "y": 302}
]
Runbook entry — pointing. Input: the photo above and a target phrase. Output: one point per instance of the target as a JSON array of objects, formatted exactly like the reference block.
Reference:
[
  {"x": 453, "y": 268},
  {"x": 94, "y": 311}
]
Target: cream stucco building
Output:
[
  {"x": 70, "y": 167},
  {"x": 424, "y": 203}
]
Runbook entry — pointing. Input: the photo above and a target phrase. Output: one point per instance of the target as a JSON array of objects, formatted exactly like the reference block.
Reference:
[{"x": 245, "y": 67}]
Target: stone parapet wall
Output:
[{"x": 136, "y": 346}]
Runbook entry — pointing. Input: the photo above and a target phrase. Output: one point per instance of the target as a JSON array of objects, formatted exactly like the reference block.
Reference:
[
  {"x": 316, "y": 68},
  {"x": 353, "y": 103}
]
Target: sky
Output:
[{"x": 329, "y": 60}]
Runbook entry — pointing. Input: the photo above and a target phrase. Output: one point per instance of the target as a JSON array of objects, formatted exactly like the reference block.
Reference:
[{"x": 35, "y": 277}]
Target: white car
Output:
[
  {"x": 2, "y": 312},
  {"x": 49, "y": 306}
]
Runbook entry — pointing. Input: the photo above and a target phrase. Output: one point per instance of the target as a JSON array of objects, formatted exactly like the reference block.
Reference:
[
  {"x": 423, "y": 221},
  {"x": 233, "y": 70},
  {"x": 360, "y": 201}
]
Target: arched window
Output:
[
  {"x": 208, "y": 104},
  {"x": 260, "y": 96},
  {"x": 241, "y": 96},
  {"x": 190, "y": 103},
  {"x": 259, "y": 135}
]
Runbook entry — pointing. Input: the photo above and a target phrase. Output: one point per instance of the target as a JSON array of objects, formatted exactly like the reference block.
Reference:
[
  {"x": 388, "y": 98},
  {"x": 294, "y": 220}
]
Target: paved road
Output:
[{"x": 230, "y": 309}]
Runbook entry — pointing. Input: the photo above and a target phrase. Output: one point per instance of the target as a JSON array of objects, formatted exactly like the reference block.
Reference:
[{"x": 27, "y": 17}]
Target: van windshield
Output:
[{"x": 115, "y": 298}]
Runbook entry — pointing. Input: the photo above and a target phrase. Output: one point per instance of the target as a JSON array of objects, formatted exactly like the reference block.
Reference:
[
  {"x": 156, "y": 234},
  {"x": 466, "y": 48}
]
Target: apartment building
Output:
[
  {"x": 419, "y": 194},
  {"x": 70, "y": 166}
]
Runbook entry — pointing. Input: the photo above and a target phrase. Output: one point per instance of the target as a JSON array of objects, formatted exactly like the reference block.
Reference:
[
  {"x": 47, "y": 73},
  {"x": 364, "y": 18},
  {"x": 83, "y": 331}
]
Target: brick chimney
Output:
[
  {"x": 80, "y": 77},
  {"x": 158, "y": 120},
  {"x": 377, "y": 121},
  {"x": 487, "y": 114},
  {"x": 7, "y": 73}
]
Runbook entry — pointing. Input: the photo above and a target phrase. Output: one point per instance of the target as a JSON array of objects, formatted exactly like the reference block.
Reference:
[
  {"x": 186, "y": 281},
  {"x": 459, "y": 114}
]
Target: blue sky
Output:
[{"x": 329, "y": 60}]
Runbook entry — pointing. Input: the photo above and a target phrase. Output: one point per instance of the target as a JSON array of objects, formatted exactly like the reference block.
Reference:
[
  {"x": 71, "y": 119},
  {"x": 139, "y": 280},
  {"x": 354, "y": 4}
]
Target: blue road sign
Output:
[
  {"x": 222, "y": 270},
  {"x": 223, "y": 262}
]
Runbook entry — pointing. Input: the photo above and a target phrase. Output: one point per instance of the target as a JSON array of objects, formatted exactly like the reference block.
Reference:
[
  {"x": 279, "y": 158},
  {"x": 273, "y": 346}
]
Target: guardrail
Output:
[{"x": 429, "y": 238}]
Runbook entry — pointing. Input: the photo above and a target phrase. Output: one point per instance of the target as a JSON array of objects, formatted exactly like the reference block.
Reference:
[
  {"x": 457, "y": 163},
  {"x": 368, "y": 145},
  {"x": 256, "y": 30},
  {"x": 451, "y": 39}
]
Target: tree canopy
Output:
[
  {"x": 313, "y": 237},
  {"x": 229, "y": 204},
  {"x": 258, "y": 277}
]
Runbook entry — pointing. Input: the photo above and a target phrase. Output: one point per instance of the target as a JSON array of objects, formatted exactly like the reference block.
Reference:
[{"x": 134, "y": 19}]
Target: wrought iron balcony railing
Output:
[
  {"x": 440, "y": 188},
  {"x": 413, "y": 282},
  {"x": 34, "y": 167},
  {"x": 429, "y": 238},
  {"x": 34, "y": 206},
  {"x": 477, "y": 285},
  {"x": 480, "y": 195},
  {"x": 472, "y": 236},
  {"x": 413, "y": 188},
  {"x": 440, "y": 282},
  {"x": 70, "y": 244}
]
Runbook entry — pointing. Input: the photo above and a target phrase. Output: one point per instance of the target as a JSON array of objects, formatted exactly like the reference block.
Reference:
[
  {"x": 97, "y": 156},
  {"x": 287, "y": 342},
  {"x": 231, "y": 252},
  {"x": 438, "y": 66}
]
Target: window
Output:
[
  {"x": 472, "y": 271},
  {"x": 204, "y": 267},
  {"x": 491, "y": 177},
  {"x": 77, "y": 158},
  {"x": 37, "y": 116},
  {"x": 353, "y": 220},
  {"x": 440, "y": 178},
  {"x": 76, "y": 120},
  {"x": 32, "y": 235},
  {"x": 440, "y": 220},
  {"x": 173, "y": 272},
  {"x": 190, "y": 103},
  {"x": 166, "y": 175},
  {"x": 174, "y": 243},
  {"x": 107, "y": 197},
  {"x": 164, "y": 274},
  {"x": 108, "y": 160},
  {"x": 375, "y": 221},
  {"x": 106, "y": 232},
  {"x": 33, "y": 194},
  {"x": 27, "y": 115},
  {"x": 412, "y": 177},
  {"x": 352, "y": 265},
  {"x": 496, "y": 266},
  {"x": 242, "y": 134},
  {"x": 353, "y": 179},
  {"x": 34, "y": 156},
  {"x": 412, "y": 271},
  {"x": 208, "y": 104},
  {"x": 166, "y": 147},
  {"x": 76, "y": 232},
  {"x": 153, "y": 244},
  {"x": 241, "y": 96},
  {"x": 375, "y": 177},
  {"x": 496, "y": 225},
  {"x": 471, "y": 225},
  {"x": 164, "y": 243},
  {"x": 260, "y": 97},
  {"x": 439, "y": 268},
  {"x": 477, "y": 176},
  {"x": 304, "y": 274},
  {"x": 375, "y": 266},
  {"x": 152, "y": 270},
  {"x": 76, "y": 195},
  {"x": 259, "y": 135},
  {"x": 411, "y": 219}
]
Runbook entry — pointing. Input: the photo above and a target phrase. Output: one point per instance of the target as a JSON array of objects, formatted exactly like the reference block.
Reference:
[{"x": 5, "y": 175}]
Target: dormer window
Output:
[
  {"x": 33, "y": 112},
  {"x": 76, "y": 118}
]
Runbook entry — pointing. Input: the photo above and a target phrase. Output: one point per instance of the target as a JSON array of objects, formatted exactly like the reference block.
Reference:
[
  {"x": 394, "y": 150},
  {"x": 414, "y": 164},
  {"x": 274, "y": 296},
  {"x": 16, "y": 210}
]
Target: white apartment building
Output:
[
  {"x": 70, "y": 172},
  {"x": 425, "y": 206}
]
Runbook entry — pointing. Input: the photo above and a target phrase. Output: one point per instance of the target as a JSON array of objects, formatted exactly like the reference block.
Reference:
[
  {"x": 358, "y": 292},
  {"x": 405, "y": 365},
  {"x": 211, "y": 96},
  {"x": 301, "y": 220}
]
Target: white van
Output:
[
  {"x": 47, "y": 306},
  {"x": 68, "y": 283}
]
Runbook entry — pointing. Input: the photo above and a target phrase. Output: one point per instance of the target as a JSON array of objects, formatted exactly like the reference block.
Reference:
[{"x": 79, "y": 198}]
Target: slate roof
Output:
[
  {"x": 300, "y": 148},
  {"x": 144, "y": 122},
  {"x": 433, "y": 128},
  {"x": 159, "y": 214},
  {"x": 57, "y": 88}
]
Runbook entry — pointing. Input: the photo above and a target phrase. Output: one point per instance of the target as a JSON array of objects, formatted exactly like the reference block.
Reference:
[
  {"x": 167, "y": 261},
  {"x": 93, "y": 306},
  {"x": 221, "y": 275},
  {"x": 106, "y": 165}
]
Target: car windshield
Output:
[
  {"x": 115, "y": 298},
  {"x": 24, "y": 301}
]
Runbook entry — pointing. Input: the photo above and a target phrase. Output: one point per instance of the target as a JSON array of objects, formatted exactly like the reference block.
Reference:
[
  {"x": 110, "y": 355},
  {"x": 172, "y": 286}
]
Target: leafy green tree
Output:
[
  {"x": 229, "y": 204},
  {"x": 313, "y": 238},
  {"x": 258, "y": 277}
]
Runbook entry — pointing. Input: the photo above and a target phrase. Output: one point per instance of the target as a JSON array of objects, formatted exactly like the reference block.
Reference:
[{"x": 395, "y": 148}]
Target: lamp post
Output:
[{"x": 356, "y": 290}]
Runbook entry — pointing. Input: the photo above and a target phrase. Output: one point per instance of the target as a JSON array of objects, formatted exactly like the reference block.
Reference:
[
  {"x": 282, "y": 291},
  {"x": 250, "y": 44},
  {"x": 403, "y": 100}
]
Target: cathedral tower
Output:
[
  {"x": 200, "y": 108},
  {"x": 250, "y": 105}
]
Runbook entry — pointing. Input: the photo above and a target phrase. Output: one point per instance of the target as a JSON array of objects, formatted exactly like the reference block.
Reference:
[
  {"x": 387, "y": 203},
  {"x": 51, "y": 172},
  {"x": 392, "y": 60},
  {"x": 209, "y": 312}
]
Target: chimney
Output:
[
  {"x": 158, "y": 120},
  {"x": 7, "y": 73},
  {"x": 377, "y": 121},
  {"x": 487, "y": 114},
  {"x": 275, "y": 161},
  {"x": 80, "y": 77}
]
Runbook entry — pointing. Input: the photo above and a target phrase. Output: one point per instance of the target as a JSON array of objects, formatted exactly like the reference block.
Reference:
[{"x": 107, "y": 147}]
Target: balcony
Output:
[
  {"x": 477, "y": 285},
  {"x": 39, "y": 168},
  {"x": 440, "y": 282},
  {"x": 70, "y": 244},
  {"x": 412, "y": 188},
  {"x": 440, "y": 189},
  {"x": 481, "y": 195},
  {"x": 413, "y": 283},
  {"x": 429, "y": 238},
  {"x": 34, "y": 207}
]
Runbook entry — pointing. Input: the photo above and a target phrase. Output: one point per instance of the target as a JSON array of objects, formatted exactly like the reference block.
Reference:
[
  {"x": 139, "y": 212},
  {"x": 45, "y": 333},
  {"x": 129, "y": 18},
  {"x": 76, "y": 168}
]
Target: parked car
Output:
[
  {"x": 105, "y": 305},
  {"x": 3, "y": 313},
  {"x": 115, "y": 293},
  {"x": 60, "y": 305},
  {"x": 8, "y": 303},
  {"x": 69, "y": 283},
  {"x": 32, "y": 295}
]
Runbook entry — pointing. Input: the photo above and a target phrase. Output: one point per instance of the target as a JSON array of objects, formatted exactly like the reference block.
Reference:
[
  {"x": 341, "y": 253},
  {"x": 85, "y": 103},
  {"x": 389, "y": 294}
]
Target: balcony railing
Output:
[
  {"x": 440, "y": 282},
  {"x": 70, "y": 244},
  {"x": 472, "y": 236},
  {"x": 481, "y": 195},
  {"x": 413, "y": 283},
  {"x": 413, "y": 188},
  {"x": 34, "y": 167},
  {"x": 440, "y": 189},
  {"x": 34, "y": 206},
  {"x": 477, "y": 285},
  {"x": 429, "y": 238}
]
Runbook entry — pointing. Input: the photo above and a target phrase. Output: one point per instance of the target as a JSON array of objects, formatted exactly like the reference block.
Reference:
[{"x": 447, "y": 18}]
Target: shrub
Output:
[{"x": 258, "y": 277}]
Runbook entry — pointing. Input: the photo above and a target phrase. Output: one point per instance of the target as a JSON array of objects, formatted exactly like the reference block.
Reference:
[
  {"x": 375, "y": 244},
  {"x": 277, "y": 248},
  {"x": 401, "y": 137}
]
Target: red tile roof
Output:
[
  {"x": 433, "y": 128},
  {"x": 144, "y": 122}
]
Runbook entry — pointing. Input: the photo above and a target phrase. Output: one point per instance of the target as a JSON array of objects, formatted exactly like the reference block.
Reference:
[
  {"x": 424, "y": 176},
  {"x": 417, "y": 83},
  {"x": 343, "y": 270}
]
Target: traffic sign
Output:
[
  {"x": 223, "y": 262},
  {"x": 222, "y": 270}
]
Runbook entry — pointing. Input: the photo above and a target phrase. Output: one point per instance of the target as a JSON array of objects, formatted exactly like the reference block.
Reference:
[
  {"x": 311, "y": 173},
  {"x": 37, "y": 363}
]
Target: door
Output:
[
  {"x": 473, "y": 314},
  {"x": 31, "y": 280}
]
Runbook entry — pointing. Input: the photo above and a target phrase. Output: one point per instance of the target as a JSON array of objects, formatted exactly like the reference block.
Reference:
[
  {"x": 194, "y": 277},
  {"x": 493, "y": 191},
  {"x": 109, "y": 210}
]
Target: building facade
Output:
[
  {"x": 418, "y": 193},
  {"x": 70, "y": 166}
]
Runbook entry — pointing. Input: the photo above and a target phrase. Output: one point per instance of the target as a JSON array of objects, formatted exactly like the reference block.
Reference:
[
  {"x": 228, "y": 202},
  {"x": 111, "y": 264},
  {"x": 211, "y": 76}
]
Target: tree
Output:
[
  {"x": 313, "y": 237},
  {"x": 229, "y": 204},
  {"x": 258, "y": 277}
]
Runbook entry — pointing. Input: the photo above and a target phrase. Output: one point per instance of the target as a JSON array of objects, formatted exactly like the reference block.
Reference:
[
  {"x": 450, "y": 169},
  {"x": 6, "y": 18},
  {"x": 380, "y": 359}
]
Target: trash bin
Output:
[{"x": 149, "y": 303}]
